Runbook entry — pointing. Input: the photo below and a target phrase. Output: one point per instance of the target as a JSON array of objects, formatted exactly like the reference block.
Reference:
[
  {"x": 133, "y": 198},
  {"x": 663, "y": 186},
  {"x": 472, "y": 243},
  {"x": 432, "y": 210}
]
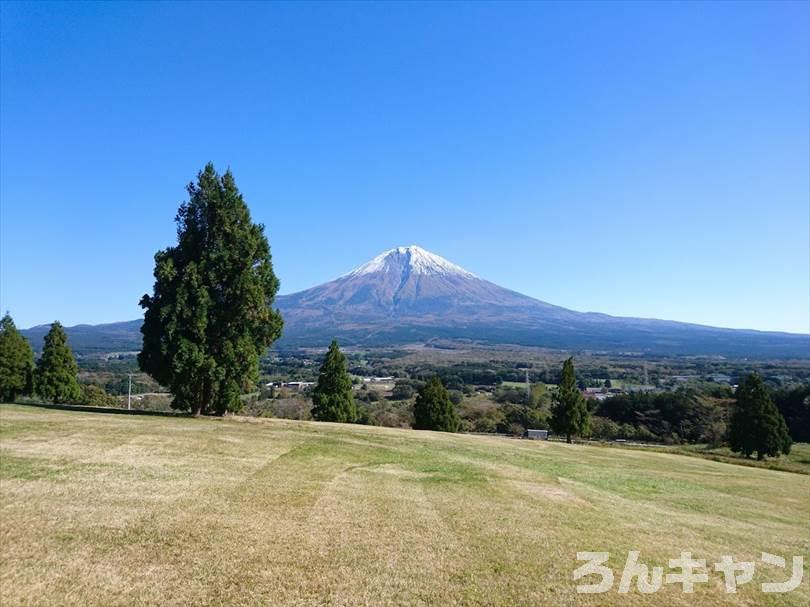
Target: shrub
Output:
[{"x": 95, "y": 396}]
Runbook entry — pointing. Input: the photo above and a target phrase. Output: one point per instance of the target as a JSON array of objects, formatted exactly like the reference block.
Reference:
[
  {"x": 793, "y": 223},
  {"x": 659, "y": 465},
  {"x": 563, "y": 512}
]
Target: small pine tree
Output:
[
  {"x": 55, "y": 375},
  {"x": 756, "y": 424},
  {"x": 16, "y": 361},
  {"x": 433, "y": 409},
  {"x": 332, "y": 397},
  {"x": 569, "y": 413}
]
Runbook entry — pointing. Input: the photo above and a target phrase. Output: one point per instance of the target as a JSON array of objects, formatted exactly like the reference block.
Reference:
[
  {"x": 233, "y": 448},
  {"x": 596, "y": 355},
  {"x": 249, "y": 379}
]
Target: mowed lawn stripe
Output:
[{"x": 129, "y": 510}]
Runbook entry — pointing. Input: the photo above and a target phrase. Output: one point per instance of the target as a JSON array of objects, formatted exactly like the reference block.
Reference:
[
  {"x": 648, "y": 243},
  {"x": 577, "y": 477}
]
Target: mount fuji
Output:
[
  {"x": 411, "y": 290},
  {"x": 410, "y": 295}
]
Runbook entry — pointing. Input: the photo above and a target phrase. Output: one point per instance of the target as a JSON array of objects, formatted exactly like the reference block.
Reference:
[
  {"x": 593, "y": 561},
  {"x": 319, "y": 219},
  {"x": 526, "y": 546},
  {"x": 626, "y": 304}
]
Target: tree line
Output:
[
  {"x": 53, "y": 377},
  {"x": 210, "y": 316}
]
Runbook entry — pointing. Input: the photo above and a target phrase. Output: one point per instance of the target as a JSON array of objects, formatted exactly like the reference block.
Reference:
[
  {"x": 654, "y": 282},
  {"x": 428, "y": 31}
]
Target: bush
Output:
[
  {"x": 291, "y": 408},
  {"x": 643, "y": 434},
  {"x": 369, "y": 396},
  {"x": 510, "y": 395},
  {"x": 403, "y": 390},
  {"x": 95, "y": 396},
  {"x": 390, "y": 414},
  {"x": 605, "y": 429},
  {"x": 480, "y": 416},
  {"x": 482, "y": 424},
  {"x": 515, "y": 430}
]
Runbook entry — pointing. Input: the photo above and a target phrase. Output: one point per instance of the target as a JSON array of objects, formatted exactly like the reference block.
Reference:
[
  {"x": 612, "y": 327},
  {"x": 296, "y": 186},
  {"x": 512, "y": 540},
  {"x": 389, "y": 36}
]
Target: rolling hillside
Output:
[{"x": 106, "y": 510}]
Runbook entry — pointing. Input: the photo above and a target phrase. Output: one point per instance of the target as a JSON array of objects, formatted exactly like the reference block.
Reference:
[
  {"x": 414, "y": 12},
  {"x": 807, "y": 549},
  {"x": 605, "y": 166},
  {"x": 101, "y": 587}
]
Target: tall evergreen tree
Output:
[
  {"x": 433, "y": 409},
  {"x": 569, "y": 413},
  {"x": 16, "y": 361},
  {"x": 55, "y": 375},
  {"x": 332, "y": 397},
  {"x": 756, "y": 424},
  {"x": 211, "y": 314}
]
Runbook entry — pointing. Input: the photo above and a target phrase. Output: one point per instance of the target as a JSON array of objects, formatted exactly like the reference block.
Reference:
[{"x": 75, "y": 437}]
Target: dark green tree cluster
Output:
[
  {"x": 794, "y": 405},
  {"x": 332, "y": 397},
  {"x": 756, "y": 424},
  {"x": 211, "y": 314},
  {"x": 676, "y": 416},
  {"x": 55, "y": 378},
  {"x": 433, "y": 409},
  {"x": 16, "y": 362},
  {"x": 569, "y": 412}
]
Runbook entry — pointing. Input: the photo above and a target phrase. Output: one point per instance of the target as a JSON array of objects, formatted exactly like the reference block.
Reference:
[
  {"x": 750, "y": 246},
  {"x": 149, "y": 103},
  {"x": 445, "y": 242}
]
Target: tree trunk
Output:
[
  {"x": 197, "y": 410},
  {"x": 205, "y": 400},
  {"x": 568, "y": 438},
  {"x": 760, "y": 456}
]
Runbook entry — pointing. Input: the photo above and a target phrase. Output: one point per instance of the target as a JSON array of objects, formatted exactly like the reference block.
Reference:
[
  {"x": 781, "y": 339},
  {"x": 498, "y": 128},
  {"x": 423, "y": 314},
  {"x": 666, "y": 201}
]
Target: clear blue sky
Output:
[{"x": 646, "y": 159}]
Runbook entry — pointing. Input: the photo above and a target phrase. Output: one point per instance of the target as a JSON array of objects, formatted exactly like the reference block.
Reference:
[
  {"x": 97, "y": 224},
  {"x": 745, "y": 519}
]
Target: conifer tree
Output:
[
  {"x": 569, "y": 413},
  {"x": 210, "y": 316},
  {"x": 332, "y": 397},
  {"x": 433, "y": 409},
  {"x": 16, "y": 361},
  {"x": 55, "y": 375},
  {"x": 756, "y": 424}
]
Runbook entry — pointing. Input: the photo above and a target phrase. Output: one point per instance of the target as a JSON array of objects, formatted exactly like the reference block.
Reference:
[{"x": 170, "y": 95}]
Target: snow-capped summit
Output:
[
  {"x": 403, "y": 285},
  {"x": 410, "y": 260}
]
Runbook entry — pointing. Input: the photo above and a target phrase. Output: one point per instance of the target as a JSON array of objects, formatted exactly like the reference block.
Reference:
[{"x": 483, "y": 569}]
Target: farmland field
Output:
[{"x": 102, "y": 509}]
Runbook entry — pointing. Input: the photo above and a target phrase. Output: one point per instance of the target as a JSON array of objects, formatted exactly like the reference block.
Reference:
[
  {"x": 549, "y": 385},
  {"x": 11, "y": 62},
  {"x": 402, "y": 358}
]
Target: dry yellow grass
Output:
[{"x": 102, "y": 509}]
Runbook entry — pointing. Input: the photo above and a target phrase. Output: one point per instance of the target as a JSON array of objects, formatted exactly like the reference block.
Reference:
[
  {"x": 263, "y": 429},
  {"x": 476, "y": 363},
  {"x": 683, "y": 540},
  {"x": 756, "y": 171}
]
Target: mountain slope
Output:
[
  {"x": 91, "y": 339},
  {"x": 408, "y": 295}
]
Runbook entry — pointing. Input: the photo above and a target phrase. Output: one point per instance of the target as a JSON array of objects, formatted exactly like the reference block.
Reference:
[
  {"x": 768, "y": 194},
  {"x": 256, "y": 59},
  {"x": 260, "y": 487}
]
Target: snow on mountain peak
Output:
[{"x": 414, "y": 258}]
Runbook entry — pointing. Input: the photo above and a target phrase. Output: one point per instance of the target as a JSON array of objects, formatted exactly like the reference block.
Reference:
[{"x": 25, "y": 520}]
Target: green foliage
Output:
[
  {"x": 511, "y": 394},
  {"x": 756, "y": 424},
  {"x": 403, "y": 390},
  {"x": 210, "y": 316},
  {"x": 663, "y": 414},
  {"x": 120, "y": 386},
  {"x": 433, "y": 409},
  {"x": 95, "y": 396},
  {"x": 569, "y": 413},
  {"x": 794, "y": 405},
  {"x": 605, "y": 429},
  {"x": 456, "y": 396},
  {"x": 332, "y": 397},
  {"x": 369, "y": 396},
  {"x": 516, "y": 419},
  {"x": 16, "y": 361},
  {"x": 55, "y": 375}
]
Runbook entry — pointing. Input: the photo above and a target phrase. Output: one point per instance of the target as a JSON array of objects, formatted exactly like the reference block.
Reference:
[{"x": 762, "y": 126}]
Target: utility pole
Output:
[
  {"x": 528, "y": 389},
  {"x": 129, "y": 393}
]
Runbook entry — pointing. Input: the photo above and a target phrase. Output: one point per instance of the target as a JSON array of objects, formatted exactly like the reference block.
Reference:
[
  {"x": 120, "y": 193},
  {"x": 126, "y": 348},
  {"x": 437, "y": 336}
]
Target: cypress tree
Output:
[
  {"x": 211, "y": 314},
  {"x": 756, "y": 424},
  {"x": 332, "y": 397},
  {"x": 433, "y": 409},
  {"x": 569, "y": 413},
  {"x": 16, "y": 361},
  {"x": 55, "y": 375}
]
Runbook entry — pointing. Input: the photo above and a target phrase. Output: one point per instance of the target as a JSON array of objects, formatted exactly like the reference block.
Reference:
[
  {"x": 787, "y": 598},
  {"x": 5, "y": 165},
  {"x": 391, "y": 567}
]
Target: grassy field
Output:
[
  {"x": 102, "y": 509},
  {"x": 798, "y": 460}
]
